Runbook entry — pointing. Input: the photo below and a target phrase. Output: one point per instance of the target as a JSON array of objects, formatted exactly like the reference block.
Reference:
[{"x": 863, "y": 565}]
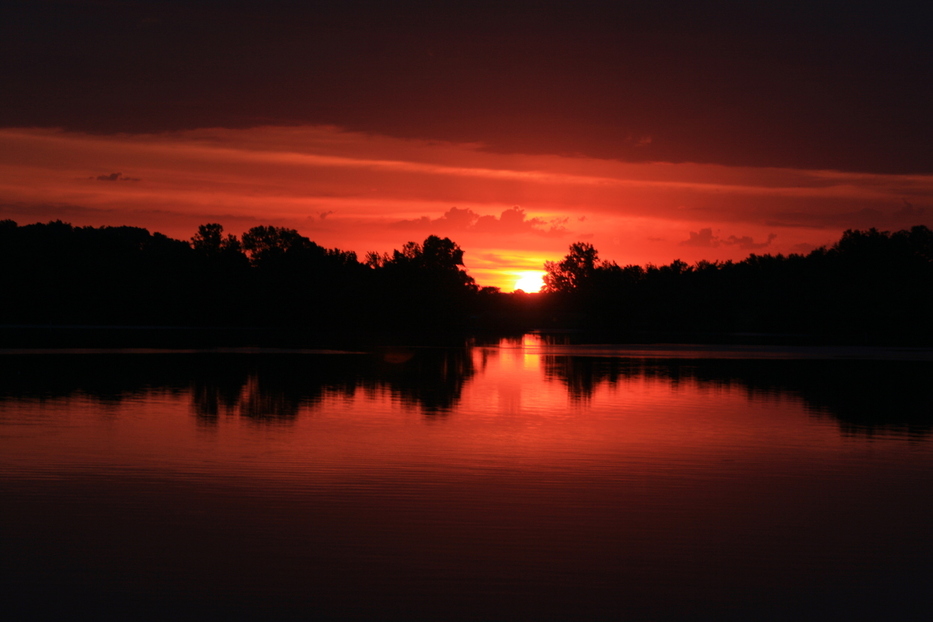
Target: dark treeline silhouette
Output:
[
  {"x": 871, "y": 285},
  {"x": 56, "y": 274}
]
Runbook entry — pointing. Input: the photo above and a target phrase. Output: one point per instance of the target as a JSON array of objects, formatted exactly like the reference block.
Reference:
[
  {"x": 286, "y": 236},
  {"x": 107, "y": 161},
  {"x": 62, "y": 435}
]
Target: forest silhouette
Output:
[{"x": 870, "y": 286}]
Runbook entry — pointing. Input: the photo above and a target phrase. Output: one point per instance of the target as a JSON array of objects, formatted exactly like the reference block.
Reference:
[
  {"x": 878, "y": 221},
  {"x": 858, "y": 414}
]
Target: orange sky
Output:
[{"x": 509, "y": 212}]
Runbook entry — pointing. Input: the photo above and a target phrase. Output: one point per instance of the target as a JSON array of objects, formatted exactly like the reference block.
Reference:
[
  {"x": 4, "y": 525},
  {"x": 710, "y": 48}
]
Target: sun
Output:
[{"x": 530, "y": 281}]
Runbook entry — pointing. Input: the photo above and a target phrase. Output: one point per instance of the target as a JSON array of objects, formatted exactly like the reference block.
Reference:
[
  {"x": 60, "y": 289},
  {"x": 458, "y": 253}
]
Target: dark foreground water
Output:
[{"x": 517, "y": 480}]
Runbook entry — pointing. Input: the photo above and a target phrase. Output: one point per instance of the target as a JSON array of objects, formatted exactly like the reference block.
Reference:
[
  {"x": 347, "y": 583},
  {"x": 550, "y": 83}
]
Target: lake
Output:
[{"x": 523, "y": 478}]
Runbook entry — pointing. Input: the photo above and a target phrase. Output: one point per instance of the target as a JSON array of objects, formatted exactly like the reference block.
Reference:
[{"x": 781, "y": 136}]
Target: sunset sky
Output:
[{"x": 653, "y": 130}]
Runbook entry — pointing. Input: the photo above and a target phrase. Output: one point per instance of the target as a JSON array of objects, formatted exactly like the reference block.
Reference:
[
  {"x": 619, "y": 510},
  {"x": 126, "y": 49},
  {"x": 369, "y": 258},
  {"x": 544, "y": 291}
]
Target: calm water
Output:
[{"x": 515, "y": 480}]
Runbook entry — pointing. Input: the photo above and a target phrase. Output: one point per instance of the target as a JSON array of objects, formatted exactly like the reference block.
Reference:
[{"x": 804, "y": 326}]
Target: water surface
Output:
[{"x": 518, "y": 479}]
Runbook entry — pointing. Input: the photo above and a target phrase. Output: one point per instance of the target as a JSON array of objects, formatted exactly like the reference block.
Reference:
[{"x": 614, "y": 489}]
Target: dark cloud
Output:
[
  {"x": 747, "y": 243},
  {"x": 114, "y": 177},
  {"x": 827, "y": 85},
  {"x": 704, "y": 238},
  {"x": 803, "y": 248},
  {"x": 905, "y": 216},
  {"x": 908, "y": 213},
  {"x": 512, "y": 221}
]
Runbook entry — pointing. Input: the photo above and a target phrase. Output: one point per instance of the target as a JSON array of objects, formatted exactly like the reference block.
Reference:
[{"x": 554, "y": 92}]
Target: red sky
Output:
[{"x": 655, "y": 131}]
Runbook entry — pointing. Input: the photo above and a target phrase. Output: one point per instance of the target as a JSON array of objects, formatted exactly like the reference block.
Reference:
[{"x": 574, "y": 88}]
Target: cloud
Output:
[
  {"x": 908, "y": 212},
  {"x": 457, "y": 89},
  {"x": 803, "y": 248},
  {"x": 747, "y": 243},
  {"x": 881, "y": 217},
  {"x": 114, "y": 177},
  {"x": 512, "y": 221},
  {"x": 517, "y": 262},
  {"x": 704, "y": 238}
]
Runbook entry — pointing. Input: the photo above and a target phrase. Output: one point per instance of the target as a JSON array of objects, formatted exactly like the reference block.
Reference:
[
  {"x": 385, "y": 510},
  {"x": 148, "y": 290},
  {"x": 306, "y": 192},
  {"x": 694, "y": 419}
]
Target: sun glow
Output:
[{"x": 529, "y": 281}]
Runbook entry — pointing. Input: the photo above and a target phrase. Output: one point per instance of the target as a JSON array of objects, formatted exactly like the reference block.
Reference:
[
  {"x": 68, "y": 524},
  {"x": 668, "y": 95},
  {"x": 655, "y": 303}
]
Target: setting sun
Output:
[{"x": 530, "y": 281}]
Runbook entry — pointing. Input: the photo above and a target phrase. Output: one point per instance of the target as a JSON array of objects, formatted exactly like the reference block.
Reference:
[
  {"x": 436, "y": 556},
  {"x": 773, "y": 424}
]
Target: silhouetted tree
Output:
[
  {"x": 210, "y": 241},
  {"x": 423, "y": 284},
  {"x": 870, "y": 285},
  {"x": 437, "y": 263},
  {"x": 268, "y": 245},
  {"x": 575, "y": 270},
  {"x": 221, "y": 277}
]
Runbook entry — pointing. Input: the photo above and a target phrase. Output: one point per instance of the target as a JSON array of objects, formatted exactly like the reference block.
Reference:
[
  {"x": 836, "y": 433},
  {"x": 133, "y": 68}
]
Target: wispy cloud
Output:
[
  {"x": 115, "y": 177},
  {"x": 704, "y": 238},
  {"x": 512, "y": 221}
]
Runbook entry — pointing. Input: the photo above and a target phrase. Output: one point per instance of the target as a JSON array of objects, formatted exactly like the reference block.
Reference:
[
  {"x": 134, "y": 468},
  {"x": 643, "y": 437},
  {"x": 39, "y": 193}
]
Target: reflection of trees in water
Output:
[
  {"x": 249, "y": 394},
  {"x": 871, "y": 397},
  {"x": 272, "y": 388},
  {"x": 866, "y": 397},
  {"x": 581, "y": 375},
  {"x": 259, "y": 387},
  {"x": 210, "y": 399},
  {"x": 261, "y": 402},
  {"x": 431, "y": 378},
  {"x": 277, "y": 388},
  {"x": 217, "y": 389},
  {"x": 104, "y": 377}
]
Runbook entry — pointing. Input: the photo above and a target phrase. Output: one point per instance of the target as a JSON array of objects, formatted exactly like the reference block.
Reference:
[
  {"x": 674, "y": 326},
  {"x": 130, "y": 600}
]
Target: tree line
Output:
[
  {"x": 868, "y": 284},
  {"x": 59, "y": 274}
]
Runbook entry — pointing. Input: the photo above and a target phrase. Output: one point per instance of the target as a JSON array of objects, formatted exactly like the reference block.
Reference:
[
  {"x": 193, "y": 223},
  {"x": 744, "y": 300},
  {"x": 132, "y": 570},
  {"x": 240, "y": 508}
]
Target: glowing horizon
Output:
[
  {"x": 509, "y": 212},
  {"x": 529, "y": 282}
]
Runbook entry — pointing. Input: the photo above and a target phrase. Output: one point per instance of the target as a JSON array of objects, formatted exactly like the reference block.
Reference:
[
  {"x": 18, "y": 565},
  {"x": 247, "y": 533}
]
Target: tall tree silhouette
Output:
[
  {"x": 424, "y": 284},
  {"x": 222, "y": 275},
  {"x": 210, "y": 241},
  {"x": 574, "y": 271},
  {"x": 268, "y": 245}
]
